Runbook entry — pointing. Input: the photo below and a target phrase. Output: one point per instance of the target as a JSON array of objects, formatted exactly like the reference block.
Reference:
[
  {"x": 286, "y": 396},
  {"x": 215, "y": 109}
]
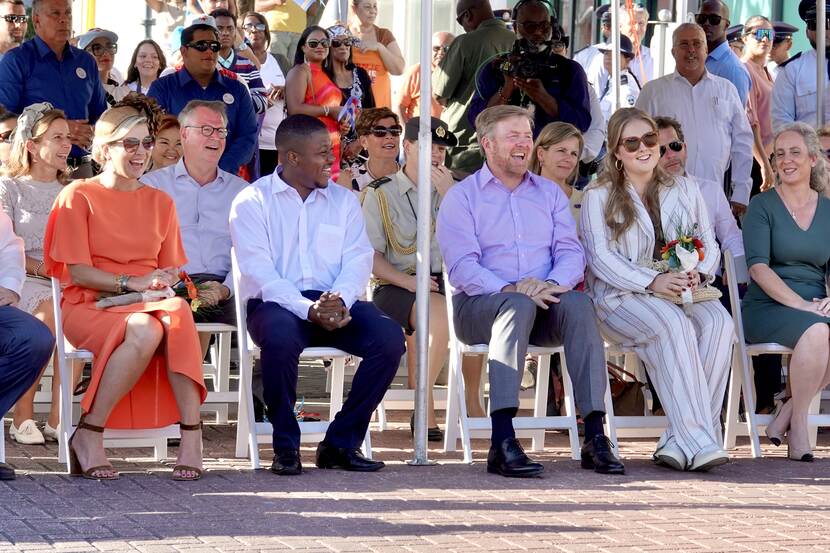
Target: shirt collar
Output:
[
  {"x": 486, "y": 176},
  {"x": 494, "y": 22},
  {"x": 721, "y": 51},
  {"x": 678, "y": 76},
  {"x": 278, "y": 186},
  {"x": 43, "y": 49},
  {"x": 180, "y": 171},
  {"x": 404, "y": 184},
  {"x": 185, "y": 77}
]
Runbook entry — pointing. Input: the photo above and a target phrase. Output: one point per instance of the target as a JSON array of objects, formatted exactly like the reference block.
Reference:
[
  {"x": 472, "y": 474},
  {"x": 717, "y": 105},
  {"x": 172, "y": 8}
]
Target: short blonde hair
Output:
[
  {"x": 553, "y": 134},
  {"x": 113, "y": 125},
  {"x": 490, "y": 117},
  {"x": 20, "y": 159}
]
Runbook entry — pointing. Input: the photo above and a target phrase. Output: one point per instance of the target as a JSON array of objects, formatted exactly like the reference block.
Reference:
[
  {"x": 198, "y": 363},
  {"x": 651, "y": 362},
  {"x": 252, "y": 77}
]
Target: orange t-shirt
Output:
[
  {"x": 410, "y": 98},
  {"x": 373, "y": 64}
]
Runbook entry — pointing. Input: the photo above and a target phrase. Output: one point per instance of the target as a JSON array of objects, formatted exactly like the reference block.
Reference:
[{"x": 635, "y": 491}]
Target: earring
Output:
[{"x": 619, "y": 165}]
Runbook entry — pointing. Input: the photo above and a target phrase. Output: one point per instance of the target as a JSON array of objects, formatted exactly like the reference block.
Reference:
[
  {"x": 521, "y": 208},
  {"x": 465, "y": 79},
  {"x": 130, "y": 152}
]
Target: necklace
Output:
[{"x": 792, "y": 211}]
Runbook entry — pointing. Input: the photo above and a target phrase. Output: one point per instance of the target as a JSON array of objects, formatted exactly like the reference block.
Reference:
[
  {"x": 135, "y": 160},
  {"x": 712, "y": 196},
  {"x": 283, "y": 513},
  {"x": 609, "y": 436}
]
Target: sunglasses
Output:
[
  {"x": 207, "y": 130},
  {"x": 761, "y": 34},
  {"x": 460, "y": 18},
  {"x": 99, "y": 49},
  {"x": 6, "y": 137},
  {"x": 338, "y": 43},
  {"x": 811, "y": 24},
  {"x": 18, "y": 19},
  {"x": 674, "y": 146},
  {"x": 251, "y": 27},
  {"x": 632, "y": 143},
  {"x": 130, "y": 145},
  {"x": 712, "y": 18},
  {"x": 436, "y": 49},
  {"x": 382, "y": 132},
  {"x": 532, "y": 27},
  {"x": 205, "y": 45},
  {"x": 325, "y": 43}
]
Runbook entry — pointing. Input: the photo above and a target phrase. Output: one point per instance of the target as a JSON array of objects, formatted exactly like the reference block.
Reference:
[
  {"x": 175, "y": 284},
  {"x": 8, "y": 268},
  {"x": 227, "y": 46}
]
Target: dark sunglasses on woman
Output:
[
  {"x": 318, "y": 43},
  {"x": 761, "y": 34},
  {"x": 205, "y": 45},
  {"x": 674, "y": 146},
  {"x": 632, "y": 143},
  {"x": 335, "y": 43},
  {"x": 251, "y": 27},
  {"x": 381, "y": 132},
  {"x": 131, "y": 144}
]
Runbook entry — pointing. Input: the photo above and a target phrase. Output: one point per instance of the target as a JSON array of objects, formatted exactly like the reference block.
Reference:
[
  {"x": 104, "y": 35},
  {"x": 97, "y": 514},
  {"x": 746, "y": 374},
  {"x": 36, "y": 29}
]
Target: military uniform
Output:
[{"x": 629, "y": 91}]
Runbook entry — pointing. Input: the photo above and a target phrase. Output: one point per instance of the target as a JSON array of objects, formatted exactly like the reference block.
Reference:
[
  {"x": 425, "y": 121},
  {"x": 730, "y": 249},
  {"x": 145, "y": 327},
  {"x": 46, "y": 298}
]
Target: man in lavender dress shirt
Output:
[{"x": 512, "y": 254}]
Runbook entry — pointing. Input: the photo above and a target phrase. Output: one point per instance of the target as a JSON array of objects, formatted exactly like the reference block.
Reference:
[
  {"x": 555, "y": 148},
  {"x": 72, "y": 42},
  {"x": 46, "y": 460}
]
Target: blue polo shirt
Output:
[
  {"x": 723, "y": 62},
  {"x": 174, "y": 91},
  {"x": 32, "y": 73}
]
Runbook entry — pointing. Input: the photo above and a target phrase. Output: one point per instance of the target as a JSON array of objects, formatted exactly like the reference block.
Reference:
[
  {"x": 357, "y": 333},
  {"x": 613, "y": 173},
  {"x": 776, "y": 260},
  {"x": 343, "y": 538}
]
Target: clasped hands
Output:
[
  {"x": 329, "y": 312},
  {"x": 674, "y": 284},
  {"x": 542, "y": 293}
]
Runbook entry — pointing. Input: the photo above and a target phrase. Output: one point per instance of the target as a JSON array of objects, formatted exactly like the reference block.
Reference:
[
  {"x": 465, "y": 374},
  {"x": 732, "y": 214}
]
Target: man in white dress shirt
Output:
[
  {"x": 710, "y": 111},
  {"x": 203, "y": 194},
  {"x": 305, "y": 259},
  {"x": 25, "y": 342}
]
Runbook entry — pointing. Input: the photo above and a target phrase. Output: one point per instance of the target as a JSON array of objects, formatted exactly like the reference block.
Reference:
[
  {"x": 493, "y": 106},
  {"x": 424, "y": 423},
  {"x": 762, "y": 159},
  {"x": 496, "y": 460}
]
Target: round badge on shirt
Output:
[
  {"x": 80, "y": 73},
  {"x": 228, "y": 98}
]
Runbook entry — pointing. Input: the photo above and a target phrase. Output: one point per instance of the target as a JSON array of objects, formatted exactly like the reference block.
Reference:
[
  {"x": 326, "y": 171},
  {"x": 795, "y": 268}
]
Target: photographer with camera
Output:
[{"x": 532, "y": 75}]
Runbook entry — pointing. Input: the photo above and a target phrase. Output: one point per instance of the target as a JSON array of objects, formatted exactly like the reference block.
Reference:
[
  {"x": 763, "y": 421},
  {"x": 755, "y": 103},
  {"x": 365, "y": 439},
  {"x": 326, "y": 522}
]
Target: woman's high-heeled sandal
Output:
[
  {"x": 185, "y": 468},
  {"x": 75, "y": 468}
]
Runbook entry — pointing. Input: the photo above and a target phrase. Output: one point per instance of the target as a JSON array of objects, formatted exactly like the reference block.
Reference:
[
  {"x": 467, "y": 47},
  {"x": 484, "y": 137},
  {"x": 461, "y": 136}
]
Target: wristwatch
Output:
[
  {"x": 122, "y": 282},
  {"x": 551, "y": 281}
]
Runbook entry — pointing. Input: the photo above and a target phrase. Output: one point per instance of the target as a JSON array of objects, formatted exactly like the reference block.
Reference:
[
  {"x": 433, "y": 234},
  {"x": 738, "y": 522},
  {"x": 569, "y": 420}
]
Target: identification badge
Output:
[
  {"x": 228, "y": 98},
  {"x": 80, "y": 73}
]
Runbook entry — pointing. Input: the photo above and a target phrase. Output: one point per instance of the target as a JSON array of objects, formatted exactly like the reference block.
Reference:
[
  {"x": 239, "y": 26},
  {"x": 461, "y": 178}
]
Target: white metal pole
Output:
[
  {"x": 821, "y": 66},
  {"x": 615, "y": 52},
  {"x": 343, "y": 11},
  {"x": 424, "y": 239}
]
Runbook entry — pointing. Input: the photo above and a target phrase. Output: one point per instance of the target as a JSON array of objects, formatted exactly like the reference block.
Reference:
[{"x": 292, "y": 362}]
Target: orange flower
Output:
[{"x": 192, "y": 291}]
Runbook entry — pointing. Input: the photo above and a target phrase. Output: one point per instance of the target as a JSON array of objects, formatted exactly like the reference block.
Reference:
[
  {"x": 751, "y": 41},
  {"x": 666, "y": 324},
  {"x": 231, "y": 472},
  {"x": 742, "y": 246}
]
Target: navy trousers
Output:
[
  {"x": 282, "y": 336},
  {"x": 25, "y": 347}
]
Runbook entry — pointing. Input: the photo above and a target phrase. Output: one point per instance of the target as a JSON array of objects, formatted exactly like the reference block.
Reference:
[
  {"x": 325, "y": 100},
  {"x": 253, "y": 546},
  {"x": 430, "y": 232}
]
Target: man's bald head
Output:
[
  {"x": 715, "y": 33},
  {"x": 715, "y": 6},
  {"x": 472, "y": 13}
]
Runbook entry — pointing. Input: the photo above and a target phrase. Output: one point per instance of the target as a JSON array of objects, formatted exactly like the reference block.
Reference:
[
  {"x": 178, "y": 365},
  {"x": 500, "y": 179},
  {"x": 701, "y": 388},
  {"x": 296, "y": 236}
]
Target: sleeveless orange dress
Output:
[
  {"x": 129, "y": 233},
  {"x": 323, "y": 92},
  {"x": 373, "y": 64}
]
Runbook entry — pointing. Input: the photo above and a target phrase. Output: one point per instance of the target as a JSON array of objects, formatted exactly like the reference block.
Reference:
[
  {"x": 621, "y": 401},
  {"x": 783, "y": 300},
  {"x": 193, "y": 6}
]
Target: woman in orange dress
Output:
[
  {"x": 308, "y": 90},
  {"x": 111, "y": 234},
  {"x": 377, "y": 51}
]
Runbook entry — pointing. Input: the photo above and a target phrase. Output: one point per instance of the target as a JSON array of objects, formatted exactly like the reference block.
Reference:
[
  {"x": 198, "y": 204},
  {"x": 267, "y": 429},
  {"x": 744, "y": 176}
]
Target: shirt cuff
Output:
[
  {"x": 11, "y": 284},
  {"x": 300, "y": 308}
]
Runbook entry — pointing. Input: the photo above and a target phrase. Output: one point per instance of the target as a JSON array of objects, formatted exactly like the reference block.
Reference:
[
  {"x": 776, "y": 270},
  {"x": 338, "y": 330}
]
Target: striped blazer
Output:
[{"x": 615, "y": 267}]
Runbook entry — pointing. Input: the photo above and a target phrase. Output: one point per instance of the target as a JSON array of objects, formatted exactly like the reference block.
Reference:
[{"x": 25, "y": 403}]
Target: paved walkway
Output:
[{"x": 750, "y": 505}]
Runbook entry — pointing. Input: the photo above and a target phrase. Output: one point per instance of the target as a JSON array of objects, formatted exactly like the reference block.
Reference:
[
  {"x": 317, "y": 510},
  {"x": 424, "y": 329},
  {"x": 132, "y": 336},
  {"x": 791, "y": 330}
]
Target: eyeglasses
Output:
[
  {"x": 382, "y": 132},
  {"x": 205, "y": 45},
  {"x": 761, "y": 34},
  {"x": 436, "y": 49},
  {"x": 811, "y": 24},
  {"x": 825, "y": 152},
  {"x": 251, "y": 27},
  {"x": 207, "y": 130},
  {"x": 325, "y": 43},
  {"x": 17, "y": 19},
  {"x": 460, "y": 18},
  {"x": 712, "y": 18},
  {"x": 130, "y": 145},
  {"x": 674, "y": 146},
  {"x": 345, "y": 42},
  {"x": 99, "y": 49},
  {"x": 632, "y": 143},
  {"x": 6, "y": 136},
  {"x": 532, "y": 27}
]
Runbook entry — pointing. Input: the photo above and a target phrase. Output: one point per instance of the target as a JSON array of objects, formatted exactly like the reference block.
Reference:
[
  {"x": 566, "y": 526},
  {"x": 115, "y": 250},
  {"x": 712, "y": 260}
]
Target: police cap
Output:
[{"x": 441, "y": 133}]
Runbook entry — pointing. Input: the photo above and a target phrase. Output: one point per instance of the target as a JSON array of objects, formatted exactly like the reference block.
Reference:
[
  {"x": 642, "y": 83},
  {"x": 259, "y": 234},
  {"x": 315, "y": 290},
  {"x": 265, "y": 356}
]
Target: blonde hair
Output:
[
  {"x": 620, "y": 211},
  {"x": 818, "y": 174},
  {"x": 553, "y": 134},
  {"x": 20, "y": 158},
  {"x": 113, "y": 125},
  {"x": 490, "y": 117}
]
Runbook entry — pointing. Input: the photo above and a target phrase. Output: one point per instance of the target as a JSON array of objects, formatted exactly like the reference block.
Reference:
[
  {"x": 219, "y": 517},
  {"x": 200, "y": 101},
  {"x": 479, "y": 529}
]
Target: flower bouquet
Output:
[{"x": 189, "y": 290}]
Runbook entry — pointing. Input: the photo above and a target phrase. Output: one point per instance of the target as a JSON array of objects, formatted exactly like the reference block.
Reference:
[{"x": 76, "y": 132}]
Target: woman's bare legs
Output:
[{"x": 808, "y": 373}]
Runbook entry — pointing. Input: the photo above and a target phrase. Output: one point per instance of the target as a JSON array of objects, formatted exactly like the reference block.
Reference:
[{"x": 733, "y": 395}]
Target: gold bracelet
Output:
[{"x": 118, "y": 287}]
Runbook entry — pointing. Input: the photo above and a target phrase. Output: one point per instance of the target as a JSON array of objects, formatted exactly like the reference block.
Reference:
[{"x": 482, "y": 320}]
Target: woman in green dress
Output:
[{"x": 787, "y": 239}]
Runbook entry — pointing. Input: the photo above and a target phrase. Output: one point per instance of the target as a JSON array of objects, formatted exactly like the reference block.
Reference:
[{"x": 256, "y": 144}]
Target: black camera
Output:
[{"x": 527, "y": 61}]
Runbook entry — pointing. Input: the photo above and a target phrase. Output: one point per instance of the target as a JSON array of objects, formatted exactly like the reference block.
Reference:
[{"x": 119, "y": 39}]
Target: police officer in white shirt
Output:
[
  {"x": 590, "y": 58},
  {"x": 794, "y": 94},
  {"x": 710, "y": 111},
  {"x": 629, "y": 85},
  {"x": 203, "y": 194},
  {"x": 305, "y": 259},
  {"x": 781, "y": 44}
]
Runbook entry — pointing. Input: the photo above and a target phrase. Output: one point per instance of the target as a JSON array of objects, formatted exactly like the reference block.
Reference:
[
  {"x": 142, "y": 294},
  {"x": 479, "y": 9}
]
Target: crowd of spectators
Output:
[{"x": 556, "y": 207}]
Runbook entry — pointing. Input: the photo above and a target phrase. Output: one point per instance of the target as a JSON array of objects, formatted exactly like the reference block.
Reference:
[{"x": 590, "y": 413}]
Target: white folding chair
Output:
[
  {"x": 459, "y": 424},
  {"x": 249, "y": 433},
  {"x": 218, "y": 369},
  {"x": 743, "y": 379},
  {"x": 151, "y": 437},
  {"x": 2, "y": 439}
]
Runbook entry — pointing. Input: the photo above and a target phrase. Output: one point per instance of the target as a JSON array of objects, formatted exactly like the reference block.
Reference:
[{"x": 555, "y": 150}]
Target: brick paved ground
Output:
[{"x": 750, "y": 505}]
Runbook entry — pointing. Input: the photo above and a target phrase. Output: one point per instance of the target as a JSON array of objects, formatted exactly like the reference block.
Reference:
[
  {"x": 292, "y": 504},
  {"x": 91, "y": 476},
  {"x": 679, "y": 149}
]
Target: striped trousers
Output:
[{"x": 687, "y": 358}]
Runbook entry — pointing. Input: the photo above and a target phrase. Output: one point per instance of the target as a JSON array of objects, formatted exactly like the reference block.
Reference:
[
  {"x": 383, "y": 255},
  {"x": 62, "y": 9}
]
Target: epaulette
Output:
[
  {"x": 377, "y": 183},
  {"x": 623, "y": 79},
  {"x": 795, "y": 57}
]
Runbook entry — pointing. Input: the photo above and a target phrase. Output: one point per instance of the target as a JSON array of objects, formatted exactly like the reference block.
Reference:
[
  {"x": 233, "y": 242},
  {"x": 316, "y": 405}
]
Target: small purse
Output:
[{"x": 626, "y": 395}]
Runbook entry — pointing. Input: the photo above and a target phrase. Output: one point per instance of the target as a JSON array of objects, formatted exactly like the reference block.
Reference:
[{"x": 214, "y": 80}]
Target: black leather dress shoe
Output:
[
  {"x": 597, "y": 455},
  {"x": 6, "y": 472},
  {"x": 330, "y": 457},
  {"x": 509, "y": 459},
  {"x": 287, "y": 463}
]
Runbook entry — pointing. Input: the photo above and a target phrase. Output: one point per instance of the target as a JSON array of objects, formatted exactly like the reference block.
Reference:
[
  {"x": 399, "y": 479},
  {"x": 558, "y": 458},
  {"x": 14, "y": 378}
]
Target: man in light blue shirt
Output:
[
  {"x": 722, "y": 61},
  {"x": 203, "y": 194}
]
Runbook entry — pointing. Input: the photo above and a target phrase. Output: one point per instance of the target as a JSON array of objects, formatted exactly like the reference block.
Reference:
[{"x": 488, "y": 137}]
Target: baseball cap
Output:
[{"x": 88, "y": 37}]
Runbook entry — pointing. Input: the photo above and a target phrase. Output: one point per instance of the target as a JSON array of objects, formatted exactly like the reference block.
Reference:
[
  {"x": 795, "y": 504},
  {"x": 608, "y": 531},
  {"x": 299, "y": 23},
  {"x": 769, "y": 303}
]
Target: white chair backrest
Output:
[
  {"x": 56, "y": 310},
  {"x": 245, "y": 341},
  {"x": 448, "y": 293},
  {"x": 735, "y": 269}
]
